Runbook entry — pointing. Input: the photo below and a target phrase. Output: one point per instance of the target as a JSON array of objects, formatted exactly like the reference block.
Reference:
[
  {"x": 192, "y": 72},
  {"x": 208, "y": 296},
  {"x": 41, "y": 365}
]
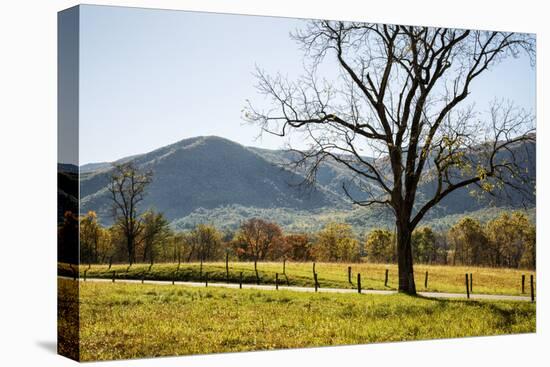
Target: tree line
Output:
[{"x": 506, "y": 241}]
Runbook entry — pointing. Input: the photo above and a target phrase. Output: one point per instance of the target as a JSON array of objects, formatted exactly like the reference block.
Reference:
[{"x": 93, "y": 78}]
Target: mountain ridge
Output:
[{"x": 206, "y": 173}]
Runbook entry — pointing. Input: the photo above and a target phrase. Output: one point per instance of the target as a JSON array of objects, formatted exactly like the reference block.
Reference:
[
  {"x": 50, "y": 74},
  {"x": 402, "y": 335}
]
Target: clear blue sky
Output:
[{"x": 149, "y": 78}]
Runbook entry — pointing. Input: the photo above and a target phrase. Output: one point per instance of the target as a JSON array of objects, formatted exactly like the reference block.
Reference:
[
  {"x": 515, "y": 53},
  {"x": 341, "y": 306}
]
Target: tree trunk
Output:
[{"x": 405, "y": 259}]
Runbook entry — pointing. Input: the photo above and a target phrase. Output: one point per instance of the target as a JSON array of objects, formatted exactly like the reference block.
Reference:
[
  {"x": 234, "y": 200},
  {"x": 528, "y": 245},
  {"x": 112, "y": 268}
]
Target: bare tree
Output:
[
  {"x": 127, "y": 188},
  {"x": 398, "y": 98}
]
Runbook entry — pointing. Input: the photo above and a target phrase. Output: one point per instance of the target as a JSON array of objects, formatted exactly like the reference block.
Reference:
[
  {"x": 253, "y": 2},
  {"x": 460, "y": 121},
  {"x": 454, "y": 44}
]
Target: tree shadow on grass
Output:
[{"x": 506, "y": 315}]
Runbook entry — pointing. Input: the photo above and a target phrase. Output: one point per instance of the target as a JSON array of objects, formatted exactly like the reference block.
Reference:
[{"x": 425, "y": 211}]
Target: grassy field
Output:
[
  {"x": 330, "y": 275},
  {"x": 140, "y": 320}
]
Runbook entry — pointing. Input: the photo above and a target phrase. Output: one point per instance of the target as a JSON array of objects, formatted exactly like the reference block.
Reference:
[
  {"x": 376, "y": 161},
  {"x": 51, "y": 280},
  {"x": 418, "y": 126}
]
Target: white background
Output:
[{"x": 28, "y": 183}]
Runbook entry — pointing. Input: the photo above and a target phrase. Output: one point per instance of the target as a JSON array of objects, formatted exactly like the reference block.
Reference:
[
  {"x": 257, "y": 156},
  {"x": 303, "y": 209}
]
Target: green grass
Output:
[
  {"x": 330, "y": 275},
  {"x": 143, "y": 320}
]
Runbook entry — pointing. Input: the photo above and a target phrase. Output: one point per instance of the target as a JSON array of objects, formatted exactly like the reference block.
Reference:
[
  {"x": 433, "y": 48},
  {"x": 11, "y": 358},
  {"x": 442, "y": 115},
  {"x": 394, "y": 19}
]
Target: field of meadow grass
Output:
[
  {"x": 143, "y": 320},
  {"x": 330, "y": 275}
]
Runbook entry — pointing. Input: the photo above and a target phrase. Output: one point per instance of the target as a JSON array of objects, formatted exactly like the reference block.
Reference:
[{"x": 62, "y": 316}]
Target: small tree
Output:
[
  {"x": 299, "y": 247},
  {"x": 336, "y": 242},
  {"x": 256, "y": 238},
  {"x": 179, "y": 242},
  {"x": 512, "y": 240},
  {"x": 207, "y": 241},
  {"x": 127, "y": 188},
  {"x": 156, "y": 231},
  {"x": 424, "y": 245},
  {"x": 89, "y": 238},
  {"x": 469, "y": 243},
  {"x": 380, "y": 246},
  {"x": 105, "y": 245}
]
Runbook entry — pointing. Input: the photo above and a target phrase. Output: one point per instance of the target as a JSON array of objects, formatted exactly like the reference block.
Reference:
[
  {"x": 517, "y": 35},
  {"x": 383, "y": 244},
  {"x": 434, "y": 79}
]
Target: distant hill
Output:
[
  {"x": 216, "y": 180},
  {"x": 362, "y": 219}
]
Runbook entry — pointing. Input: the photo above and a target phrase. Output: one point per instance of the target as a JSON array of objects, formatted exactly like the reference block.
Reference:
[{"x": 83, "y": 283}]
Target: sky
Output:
[{"x": 149, "y": 78}]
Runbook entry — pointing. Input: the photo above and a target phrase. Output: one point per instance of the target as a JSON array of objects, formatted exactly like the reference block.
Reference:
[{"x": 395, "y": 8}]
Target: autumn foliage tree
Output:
[
  {"x": 336, "y": 242},
  {"x": 90, "y": 232},
  {"x": 400, "y": 97},
  {"x": 298, "y": 247},
  {"x": 257, "y": 238}
]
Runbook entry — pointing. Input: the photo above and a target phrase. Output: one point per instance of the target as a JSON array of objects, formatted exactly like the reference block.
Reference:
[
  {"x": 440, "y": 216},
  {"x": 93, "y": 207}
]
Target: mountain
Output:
[
  {"x": 209, "y": 172},
  {"x": 211, "y": 179}
]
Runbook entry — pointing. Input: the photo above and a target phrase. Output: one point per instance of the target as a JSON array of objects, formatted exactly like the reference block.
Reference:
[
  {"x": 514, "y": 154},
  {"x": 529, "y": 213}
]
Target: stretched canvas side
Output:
[{"x": 67, "y": 185}]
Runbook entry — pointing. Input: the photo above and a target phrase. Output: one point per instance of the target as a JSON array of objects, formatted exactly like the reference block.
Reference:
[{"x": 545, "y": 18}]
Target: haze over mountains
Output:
[{"x": 216, "y": 180}]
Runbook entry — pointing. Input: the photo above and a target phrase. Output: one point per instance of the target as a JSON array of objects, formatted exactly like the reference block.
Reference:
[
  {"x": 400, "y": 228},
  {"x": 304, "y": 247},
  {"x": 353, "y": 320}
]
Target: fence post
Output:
[
  {"x": 386, "y": 280},
  {"x": 85, "y": 271},
  {"x": 277, "y": 281},
  {"x": 532, "y": 289},
  {"x": 522, "y": 283},
  {"x": 315, "y": 279},
  {"x": 467, "y": 287},
  {"x": 241, "y": 281},
  {"x": 471, "y": 283},
  {"x": 426, "y": 280},
  {"x": 314, "y": 272},
  {"x": 142, "y": 277},
  {"x": 114, "y": 275},
  {"x": 349, "y": 274},
  {"x": 284, "y": 266},
  {"x": 206, "y": 279},
  {"x": 359, "y": 282}
]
